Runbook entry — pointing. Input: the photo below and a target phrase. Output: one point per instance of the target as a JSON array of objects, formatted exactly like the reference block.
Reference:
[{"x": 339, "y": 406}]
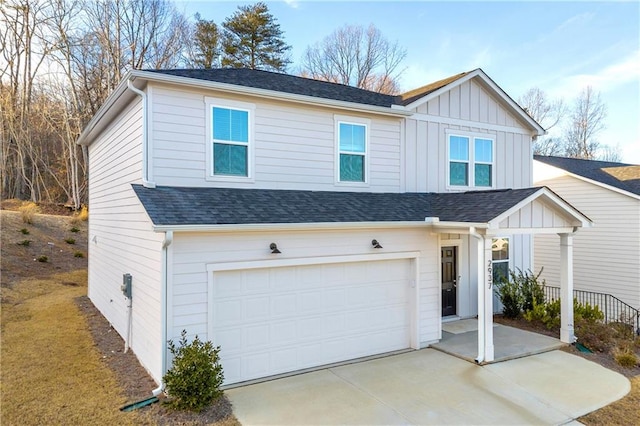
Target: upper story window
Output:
[
  {"x": 471, "y": 161},
  {"x": 352, "y": 150},
  {"x": 230, "y": 144}
]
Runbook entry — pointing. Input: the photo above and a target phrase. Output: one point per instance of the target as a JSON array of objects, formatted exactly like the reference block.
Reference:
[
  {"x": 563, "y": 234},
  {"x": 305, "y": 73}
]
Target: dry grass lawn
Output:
[
  {"x": 51, "y": 372},
  {"x": 623, "y": 412}
]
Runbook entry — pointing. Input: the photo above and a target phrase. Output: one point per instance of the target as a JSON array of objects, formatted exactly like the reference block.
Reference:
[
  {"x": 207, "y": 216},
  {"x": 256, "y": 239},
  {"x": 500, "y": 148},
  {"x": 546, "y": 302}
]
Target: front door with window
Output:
[{"x": 449, "y": 280}]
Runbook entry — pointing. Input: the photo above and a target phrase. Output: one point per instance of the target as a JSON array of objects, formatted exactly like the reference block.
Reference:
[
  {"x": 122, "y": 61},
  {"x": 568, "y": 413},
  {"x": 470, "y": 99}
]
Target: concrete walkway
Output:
[
  {"x": 431, "y": 387},
  {"x": 462, "y": 341}
]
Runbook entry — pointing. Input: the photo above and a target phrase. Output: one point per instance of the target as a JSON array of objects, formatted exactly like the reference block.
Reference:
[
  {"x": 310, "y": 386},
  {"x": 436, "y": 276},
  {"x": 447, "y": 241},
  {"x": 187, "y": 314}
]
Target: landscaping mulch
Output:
[{"x": 136, "y": 382}]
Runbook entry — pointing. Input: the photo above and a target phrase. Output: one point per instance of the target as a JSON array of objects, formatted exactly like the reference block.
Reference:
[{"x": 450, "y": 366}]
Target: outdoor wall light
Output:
[
  {"x": 274, "y": 248},
  {"x": 375, "y": 244}
]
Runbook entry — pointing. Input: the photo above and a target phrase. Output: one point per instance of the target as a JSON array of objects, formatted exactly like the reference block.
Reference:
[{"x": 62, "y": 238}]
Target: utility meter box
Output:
[{"x": 126, "y": 285}]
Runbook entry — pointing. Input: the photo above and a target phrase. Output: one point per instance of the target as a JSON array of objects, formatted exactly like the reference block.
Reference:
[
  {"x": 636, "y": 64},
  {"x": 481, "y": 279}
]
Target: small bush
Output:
[
  {"x": 24, "y": 231},
  {"x": 78, "y": 254},
  {"x": 194, "y": 380},
  {"x": 74, "y": 229},
  {"x": 43, "y": 259},
  {"x": 596, "y": 336},
  {"x": 28, "y": 211},
  {"x": 586, "y": 312},
  {"x": 532, "y": 290},
  {"x": 625, "y": 357},
  {"x": 510, "y": 296},
  {"x": 81, "y": 216},
  {"x": 24, "y": 243},
  {"x": 70, "y": 240}
]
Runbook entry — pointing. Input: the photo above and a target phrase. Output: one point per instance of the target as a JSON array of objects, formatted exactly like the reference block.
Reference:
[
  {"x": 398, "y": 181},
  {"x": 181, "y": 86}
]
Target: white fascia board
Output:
[
  {"x": 267, "y": 227},
  {"x": 561, "y": 204},
  {"x": 539, "y": 130},
  {"x": 398, "y": 111}
]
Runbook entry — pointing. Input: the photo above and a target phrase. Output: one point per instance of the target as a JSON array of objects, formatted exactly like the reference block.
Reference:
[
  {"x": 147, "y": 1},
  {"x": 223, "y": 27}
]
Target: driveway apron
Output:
[{"x": 431, "y": 387}]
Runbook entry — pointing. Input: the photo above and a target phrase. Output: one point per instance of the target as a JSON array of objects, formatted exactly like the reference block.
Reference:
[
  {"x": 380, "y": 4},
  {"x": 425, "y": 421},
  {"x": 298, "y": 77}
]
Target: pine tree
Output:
[
  {"x": 206, "y": 53},
  {"x": 253, "y": 39}
]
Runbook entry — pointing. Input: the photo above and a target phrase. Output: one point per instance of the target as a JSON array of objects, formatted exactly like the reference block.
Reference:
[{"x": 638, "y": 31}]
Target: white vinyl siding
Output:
[
  {"x": 121, "y": 240},
  {"x": 606, "y": 257},
  {"x": 468, "y": 110},
  {"x": 294, "y": 144},
  {"x": 193, "y": 252}
]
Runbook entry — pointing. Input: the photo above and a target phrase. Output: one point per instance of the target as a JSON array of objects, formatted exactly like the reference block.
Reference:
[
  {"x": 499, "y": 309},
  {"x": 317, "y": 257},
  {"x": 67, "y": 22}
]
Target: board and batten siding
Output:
[
  {"x": 294, "y": 144},
  {"x": 466, "y": 108},
  {"x": 606, "y": 257},
  {"x": 120, "y": 237},
  {"x": 192, "y": 252}
]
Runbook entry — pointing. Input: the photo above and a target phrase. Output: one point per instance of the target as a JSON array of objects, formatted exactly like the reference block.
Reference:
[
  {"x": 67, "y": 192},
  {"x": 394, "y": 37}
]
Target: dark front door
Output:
[{"x": 449, "y": 280}]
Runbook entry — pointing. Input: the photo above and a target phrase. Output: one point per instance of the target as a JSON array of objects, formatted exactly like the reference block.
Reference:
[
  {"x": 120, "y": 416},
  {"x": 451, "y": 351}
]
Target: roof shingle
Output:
[
  {"x": 174, "y": 206},
  {"x": 618, "y": 175}
]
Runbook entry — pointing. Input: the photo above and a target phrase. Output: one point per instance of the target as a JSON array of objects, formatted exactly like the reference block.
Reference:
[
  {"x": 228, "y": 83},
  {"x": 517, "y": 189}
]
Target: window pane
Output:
[
  {"x": 352, "y": 137},
  {"x": 458, "y": 174},
  {"x": 221, "y": 124},
  {"x": 500, "y": 270},
  {"x": 484, "y": 150},
  {"x": 500, "y": 249},
  {"x": 482, "y": 174},
  {"x": 458, "y": 148},
  {"x": 351, "y": 168},
  {"x": 229, "y": 159},
  {"x": 230, "y": 125}
]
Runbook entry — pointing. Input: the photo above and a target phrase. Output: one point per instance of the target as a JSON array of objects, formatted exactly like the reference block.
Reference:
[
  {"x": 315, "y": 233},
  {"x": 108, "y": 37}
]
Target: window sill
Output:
[{"x": 229, "y": 178}]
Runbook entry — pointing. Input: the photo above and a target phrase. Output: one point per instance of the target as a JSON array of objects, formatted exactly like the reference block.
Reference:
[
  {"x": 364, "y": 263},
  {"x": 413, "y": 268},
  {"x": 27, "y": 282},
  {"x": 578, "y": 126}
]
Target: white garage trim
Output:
[{"x": 413, "y": 257}]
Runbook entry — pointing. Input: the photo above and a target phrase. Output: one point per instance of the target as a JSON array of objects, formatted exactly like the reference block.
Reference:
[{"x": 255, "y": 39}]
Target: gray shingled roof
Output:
[
  {"x": 229, "y": 206},
  {"x": 618, "y": 175},
  {"x": 285, "y": 83}
]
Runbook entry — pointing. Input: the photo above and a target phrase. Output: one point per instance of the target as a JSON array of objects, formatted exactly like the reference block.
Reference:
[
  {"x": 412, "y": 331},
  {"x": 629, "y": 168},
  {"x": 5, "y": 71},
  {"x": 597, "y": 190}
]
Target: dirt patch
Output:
[
  {"x": 136, "y": 383},
  {"x": 47, "y": 236}
]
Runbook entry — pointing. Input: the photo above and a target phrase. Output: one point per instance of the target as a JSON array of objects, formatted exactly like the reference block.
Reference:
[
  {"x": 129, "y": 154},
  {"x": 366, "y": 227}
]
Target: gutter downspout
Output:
[
  {"x": 481, "y": 312},
  {"x": 145, "y": 136},
  {"x": 168, "y": 239}
]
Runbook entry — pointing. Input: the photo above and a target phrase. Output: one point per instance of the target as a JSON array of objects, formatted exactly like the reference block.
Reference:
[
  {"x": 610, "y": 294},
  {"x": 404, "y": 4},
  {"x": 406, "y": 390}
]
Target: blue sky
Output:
[{"x": 560, "y": 47}]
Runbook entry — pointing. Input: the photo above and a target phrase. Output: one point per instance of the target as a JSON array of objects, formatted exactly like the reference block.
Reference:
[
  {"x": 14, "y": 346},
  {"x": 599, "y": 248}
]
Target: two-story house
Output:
[{"x": 298, "y": 223}]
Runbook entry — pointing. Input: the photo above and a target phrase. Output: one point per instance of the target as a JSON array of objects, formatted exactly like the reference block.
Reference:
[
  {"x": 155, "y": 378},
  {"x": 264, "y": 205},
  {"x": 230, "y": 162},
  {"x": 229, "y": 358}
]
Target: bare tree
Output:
[
  {"x": 586, "y": 121},
  {"x": 548, "y": 113},
  {"x": 610, "y": 153},
  {"x": 356, "y": 56}
]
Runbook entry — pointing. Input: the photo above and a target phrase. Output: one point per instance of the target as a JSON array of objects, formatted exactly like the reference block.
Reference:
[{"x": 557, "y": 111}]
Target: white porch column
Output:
[
  {"x": 487, "y": 290},
  {"x": 481, "y": 285},
  {"x": 566, "y": 288}
]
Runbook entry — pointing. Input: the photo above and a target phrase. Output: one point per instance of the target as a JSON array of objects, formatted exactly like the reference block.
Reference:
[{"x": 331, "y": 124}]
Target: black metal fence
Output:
[{"x": 614, "y": 309}]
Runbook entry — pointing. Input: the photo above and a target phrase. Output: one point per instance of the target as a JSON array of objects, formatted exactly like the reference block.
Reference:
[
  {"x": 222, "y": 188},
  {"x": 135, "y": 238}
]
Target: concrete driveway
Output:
[{"x": 431, "y": 387}]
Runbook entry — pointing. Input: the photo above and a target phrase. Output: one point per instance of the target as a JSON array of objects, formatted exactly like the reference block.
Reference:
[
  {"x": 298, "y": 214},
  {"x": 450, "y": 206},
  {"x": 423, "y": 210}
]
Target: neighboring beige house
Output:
[
  {"x": 606, "y": 256},
  {"x": 299, "y": 223}
]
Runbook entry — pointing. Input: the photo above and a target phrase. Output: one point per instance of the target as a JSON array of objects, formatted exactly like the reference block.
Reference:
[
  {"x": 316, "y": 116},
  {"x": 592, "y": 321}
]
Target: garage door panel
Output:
[{"x": 294, "y": 320}]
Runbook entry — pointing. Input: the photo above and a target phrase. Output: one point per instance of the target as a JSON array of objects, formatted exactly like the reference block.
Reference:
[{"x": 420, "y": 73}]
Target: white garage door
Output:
[{"x": 275, "y": 320}]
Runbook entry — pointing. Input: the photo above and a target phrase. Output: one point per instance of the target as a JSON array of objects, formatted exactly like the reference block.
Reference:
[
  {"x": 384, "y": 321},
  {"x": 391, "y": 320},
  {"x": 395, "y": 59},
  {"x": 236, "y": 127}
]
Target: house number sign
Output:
[{"x": 490, "y": 273}]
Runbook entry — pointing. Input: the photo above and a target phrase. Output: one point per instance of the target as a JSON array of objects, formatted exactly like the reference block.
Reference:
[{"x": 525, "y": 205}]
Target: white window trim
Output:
[
  {"x": 510, "y": 252},
  {"x": 210, "y": 103},
  {"x": 343, "y": 119},
  {"x": 471, "y": 162}
]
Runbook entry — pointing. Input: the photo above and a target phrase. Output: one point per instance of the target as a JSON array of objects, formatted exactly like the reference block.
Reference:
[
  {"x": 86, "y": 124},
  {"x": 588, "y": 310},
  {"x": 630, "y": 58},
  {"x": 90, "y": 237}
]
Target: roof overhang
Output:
[
  {"x": 141, "y": 78},
  {"x": 488, "y": 83}
]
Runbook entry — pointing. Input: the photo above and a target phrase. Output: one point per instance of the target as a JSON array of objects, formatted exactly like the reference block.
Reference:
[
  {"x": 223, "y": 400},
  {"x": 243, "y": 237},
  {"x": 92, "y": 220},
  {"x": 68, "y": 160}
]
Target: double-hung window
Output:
[
  {"x": 471, "y": 161},
  {"x": 230, "y": 139},
  {"x": 352, "y": 141}
]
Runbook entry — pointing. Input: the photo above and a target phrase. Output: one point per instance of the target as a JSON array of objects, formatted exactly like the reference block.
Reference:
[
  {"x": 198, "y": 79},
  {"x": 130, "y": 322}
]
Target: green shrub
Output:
[
  {"x": 532, "y": 290},
  {"x": 24, "y": 231},
  {"x": 43, "y": 259},
  {"x": 24, "y": 243},
  {"x": 547, "y": 314},
  {"x": 194, "y": 380},
  {"x": 70, "y": 240},
  {"x": 625, "y": 357},
  {"x": 75, "y": 229},
  {"x": 586, "y": 312},
  {"x": 511, "y": 297},
  {"x": 78, "y": 254}
]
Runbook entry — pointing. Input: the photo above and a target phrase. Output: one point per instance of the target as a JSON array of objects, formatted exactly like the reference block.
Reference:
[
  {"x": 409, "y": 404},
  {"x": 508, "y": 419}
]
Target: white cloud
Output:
[
  {"x": 606, "y": 79},
  {"x": 294, "y": 4}
]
